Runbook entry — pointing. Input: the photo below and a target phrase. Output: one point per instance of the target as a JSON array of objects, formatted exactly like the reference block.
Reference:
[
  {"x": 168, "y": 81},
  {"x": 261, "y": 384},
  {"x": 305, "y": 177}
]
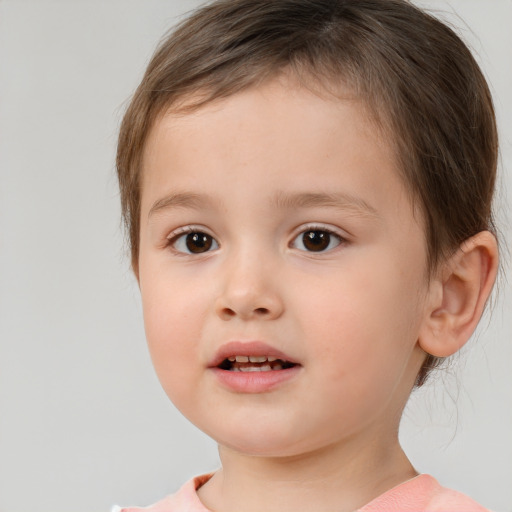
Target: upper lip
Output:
[{"x": 247, "y": 348}]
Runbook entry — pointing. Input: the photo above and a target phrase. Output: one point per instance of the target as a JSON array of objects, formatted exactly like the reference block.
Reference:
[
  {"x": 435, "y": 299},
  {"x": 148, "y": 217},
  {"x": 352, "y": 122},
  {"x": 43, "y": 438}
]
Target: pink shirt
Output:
[{"x": 420, "y": 494}]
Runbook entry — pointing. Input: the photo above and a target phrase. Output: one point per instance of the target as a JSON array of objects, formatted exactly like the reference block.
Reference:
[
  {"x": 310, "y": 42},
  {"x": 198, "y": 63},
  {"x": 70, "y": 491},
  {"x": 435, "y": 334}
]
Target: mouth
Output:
[
  {"x": 254, "y": 363},
  {"x": 253, "y": 367}
]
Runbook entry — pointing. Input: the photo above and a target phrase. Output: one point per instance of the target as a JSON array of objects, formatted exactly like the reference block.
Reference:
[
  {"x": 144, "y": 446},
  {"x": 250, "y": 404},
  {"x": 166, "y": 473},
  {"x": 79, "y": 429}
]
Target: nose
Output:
[{"x": 249, "y": 291}]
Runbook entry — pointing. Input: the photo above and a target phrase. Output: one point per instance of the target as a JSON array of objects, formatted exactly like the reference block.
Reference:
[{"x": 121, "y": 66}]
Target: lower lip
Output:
[{"x": 254, "y": 382}]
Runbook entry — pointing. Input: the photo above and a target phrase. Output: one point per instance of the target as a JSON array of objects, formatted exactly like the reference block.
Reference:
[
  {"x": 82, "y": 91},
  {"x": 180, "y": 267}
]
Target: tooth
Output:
[
  {"x": 232, "y": 359},
  {"x": 265, "y": 368},
  {"x": 242, "y": 359},
  {"x": 235, "y": 369},
  {"x": 270, "y": 359},
  {"x": 250, "y": 369},
  {"x": 257, "y": 359},
  {"x": 277, "y": 367}
]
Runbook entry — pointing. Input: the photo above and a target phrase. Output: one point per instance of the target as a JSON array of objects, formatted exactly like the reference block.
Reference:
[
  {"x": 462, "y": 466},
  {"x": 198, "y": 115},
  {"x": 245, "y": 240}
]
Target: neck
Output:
[{"x": 342, "y": 478}]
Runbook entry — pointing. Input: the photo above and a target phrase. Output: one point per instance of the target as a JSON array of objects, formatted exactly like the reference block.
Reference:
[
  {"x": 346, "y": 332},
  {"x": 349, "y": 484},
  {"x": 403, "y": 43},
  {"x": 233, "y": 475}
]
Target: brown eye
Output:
[
  {"x": 199, "y": 242},
  {"x": 316, "y": 240},
  {"x": 194, "y": 242}
]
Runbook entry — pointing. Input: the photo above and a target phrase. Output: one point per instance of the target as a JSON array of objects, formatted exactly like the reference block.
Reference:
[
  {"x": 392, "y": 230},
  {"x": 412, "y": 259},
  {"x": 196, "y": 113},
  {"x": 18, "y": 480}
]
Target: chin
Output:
[
  {"x": 261, "y": 443},
  {"x": 255, "y": 431}
]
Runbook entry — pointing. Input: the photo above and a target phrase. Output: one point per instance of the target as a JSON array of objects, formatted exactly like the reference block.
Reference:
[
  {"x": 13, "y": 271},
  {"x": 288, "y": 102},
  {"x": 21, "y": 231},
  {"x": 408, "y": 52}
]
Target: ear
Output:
[{"x": 458, "y": 294}]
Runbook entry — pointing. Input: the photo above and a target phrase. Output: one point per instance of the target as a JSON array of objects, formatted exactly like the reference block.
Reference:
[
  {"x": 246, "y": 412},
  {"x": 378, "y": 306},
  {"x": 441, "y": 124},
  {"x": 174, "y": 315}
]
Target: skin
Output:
[{"x": 351, "y": 315}]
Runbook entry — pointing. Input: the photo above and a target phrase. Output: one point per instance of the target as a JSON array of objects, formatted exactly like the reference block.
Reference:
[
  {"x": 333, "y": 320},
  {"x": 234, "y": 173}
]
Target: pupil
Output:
[
  {"x": 198, "y": 242},
  {"x": 316, "y": 240}
]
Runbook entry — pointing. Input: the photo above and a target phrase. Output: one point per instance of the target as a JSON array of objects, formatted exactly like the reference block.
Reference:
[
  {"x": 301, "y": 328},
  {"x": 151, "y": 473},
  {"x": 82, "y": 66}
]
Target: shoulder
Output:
[
  {"x": 423, "y": 494},
  {"x": 448, "y": 500},
  {"x": 184, "y": 500}
]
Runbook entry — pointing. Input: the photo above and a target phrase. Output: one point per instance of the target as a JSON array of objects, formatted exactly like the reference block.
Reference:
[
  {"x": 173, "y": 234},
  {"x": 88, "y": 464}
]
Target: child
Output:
[{"x": 307, "y": 185}]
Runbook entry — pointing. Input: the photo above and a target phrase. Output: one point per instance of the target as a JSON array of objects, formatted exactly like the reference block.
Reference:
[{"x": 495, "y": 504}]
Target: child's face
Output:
[{"x": 278, "y": 217}]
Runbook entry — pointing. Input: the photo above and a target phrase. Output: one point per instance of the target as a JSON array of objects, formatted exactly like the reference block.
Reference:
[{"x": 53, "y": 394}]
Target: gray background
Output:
[{"x": 83, "y": 421}]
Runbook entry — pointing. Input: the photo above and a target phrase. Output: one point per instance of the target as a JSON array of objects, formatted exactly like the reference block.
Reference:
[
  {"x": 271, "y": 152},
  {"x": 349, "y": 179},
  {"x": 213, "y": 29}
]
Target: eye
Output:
[
  {"x": 193, "y": 242},
  {"x": 316, "y": 240}
]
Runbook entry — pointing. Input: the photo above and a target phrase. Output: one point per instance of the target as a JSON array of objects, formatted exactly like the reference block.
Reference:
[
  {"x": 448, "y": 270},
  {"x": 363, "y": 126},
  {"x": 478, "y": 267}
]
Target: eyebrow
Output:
[
  {"x": 282, "y": 200},
  {"x": 338, "y": 200},
  {"x": 181, "y": 200}
]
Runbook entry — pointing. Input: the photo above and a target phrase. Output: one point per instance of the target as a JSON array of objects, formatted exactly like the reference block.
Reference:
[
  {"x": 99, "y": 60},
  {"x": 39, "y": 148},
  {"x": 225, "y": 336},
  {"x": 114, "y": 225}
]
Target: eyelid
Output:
[
  {"x": 342, "y": 236},
  {"x": 183, "y": 230},
  {"x": 318, "y": 226},
  {"x": 177, "y": 233}
]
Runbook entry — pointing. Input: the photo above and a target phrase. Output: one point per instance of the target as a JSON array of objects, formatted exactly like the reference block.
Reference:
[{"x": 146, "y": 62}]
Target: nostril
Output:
[{"x": 246, "y": 309}]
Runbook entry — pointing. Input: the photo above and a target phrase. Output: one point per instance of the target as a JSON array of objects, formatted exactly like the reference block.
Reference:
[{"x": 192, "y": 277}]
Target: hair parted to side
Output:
[{"x": 415, "y": 75}]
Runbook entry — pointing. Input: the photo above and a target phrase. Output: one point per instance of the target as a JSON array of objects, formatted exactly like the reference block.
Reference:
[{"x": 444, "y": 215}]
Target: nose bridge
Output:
[{"x": 249, "y": 286}]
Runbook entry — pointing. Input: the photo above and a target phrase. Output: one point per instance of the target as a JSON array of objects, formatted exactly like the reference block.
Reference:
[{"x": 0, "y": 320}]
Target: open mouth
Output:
[{"x": 254, "y": 364}]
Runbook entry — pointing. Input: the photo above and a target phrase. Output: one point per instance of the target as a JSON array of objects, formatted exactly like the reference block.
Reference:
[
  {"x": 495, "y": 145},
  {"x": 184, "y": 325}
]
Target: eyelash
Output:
[
  {"x": 182, "y": 233},
  {"x": 208, "y": 241},
  {"x": 314, "y": 228}
]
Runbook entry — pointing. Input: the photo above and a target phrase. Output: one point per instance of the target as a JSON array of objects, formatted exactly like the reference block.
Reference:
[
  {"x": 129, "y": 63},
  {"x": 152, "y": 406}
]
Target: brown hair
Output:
[{"x": 417, "y": 77}]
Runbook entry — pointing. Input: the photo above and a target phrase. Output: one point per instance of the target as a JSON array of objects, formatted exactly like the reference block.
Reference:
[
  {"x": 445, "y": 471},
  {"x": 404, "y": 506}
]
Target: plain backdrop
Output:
[{"x": 83, "y": 421}]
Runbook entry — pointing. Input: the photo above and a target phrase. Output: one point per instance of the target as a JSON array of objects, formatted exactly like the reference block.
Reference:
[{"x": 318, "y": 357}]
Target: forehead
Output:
[
  {"x": 297, "y": 97},
  {"x": 296, "y": 137}
]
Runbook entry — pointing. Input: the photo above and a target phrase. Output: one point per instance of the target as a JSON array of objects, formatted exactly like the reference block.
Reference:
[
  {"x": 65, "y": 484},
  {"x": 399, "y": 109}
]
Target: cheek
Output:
[
  {"x": 171, "y": 305},
  {"x": 364, "y": 322},
  {"x": 171, "y": 320}
]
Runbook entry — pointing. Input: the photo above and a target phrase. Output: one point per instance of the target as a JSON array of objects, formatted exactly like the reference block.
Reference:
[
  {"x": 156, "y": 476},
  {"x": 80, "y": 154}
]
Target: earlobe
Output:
[{"x": 459, "y": 294}]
